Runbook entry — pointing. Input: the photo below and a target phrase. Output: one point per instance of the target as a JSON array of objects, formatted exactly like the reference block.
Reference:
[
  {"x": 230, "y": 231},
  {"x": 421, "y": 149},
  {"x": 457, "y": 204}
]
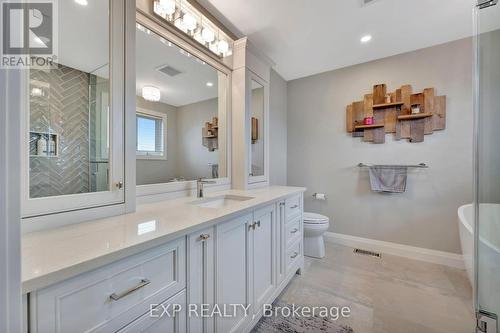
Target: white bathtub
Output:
[{"x": 489, "y": 251}]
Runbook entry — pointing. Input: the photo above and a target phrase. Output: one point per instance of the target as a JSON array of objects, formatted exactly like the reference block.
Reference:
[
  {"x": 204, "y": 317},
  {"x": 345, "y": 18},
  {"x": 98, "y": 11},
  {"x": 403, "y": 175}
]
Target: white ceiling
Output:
[
  {"x": 182, "y": 89},
  {"x": 305, "y": 37}
]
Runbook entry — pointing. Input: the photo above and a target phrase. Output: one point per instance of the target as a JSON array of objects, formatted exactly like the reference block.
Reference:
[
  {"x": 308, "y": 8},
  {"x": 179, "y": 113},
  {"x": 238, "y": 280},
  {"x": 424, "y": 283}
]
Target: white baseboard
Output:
[{"x": 418, "y": 253}]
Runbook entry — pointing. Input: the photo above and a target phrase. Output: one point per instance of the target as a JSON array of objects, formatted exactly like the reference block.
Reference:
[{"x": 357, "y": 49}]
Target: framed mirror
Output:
[
  {"x": 181, "y": 116},
  {"x": 258, "y": 119},
  {"x": 73, "y": 114},
  {"x": 257, "y": 135}
]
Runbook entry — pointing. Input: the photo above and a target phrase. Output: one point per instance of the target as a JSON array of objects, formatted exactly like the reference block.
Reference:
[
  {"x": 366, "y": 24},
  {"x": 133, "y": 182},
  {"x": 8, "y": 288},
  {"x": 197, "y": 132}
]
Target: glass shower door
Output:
[{"x": 487, "y": 165}]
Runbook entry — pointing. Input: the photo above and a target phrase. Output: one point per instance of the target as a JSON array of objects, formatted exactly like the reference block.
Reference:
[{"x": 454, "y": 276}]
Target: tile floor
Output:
[{"x": 387, "y": 295}]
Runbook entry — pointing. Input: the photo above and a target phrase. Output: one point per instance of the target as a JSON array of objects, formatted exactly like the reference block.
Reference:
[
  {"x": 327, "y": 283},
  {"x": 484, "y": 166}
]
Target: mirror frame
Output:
[
  {"x": 33, "y": 208},
  {"x": 262, "y": 179},
  {"x": 160, "y": 191}
]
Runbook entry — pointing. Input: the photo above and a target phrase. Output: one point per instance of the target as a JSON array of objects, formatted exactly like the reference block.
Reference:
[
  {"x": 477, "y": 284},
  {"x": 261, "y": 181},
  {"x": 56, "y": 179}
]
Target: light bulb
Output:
[
  {"x": 222, "y": 47},
  {"x": 207, "y": 35},
  {"x": 189, "y": 21},
  {"x": 167, "y": 6},
  {"x": 150, "y": 93},
  {"x": 366, "y": 39}
]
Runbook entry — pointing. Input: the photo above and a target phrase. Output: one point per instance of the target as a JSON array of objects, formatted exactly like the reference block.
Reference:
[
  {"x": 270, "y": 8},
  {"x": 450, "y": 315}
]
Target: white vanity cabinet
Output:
[
  {"x": 111, "y": 297},
  {"x": 245, "y": 260},
  {"x": 175, "y": 322},
  {"x": 201, "y": 278},
  {"x": 262, "y": 256},
  {"x": 232, "y": 276}
]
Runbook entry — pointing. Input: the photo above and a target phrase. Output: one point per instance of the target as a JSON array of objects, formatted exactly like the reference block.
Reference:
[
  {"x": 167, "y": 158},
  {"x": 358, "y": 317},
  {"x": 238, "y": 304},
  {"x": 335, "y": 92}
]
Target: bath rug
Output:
[{"x": 313, "y": 324}]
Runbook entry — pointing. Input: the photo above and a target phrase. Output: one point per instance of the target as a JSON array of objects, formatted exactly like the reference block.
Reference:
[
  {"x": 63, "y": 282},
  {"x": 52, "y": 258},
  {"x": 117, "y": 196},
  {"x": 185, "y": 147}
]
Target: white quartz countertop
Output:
[{"x": 54, "y": 255}]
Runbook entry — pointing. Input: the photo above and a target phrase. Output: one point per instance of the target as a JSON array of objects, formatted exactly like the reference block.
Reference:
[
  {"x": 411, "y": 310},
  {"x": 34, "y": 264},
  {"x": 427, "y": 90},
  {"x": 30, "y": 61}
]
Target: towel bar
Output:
[{"x": 420, "y": 165}]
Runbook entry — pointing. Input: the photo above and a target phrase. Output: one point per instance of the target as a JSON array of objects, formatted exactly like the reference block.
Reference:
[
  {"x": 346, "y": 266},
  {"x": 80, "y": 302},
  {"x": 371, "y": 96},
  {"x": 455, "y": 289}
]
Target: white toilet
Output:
[{"x": 315, "y": 225}]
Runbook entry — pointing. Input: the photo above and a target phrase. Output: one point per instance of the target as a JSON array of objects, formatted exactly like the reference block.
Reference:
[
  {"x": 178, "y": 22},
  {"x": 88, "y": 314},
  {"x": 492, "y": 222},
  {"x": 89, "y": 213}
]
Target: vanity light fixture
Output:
[
  {"x": 192, "y": 22},
  {"x": 82, "y": 2},
  {"x": 366, "y": 38},
  {"x": 150, "y": 93},
  {"x": 208, "y": 35},
  {"x": 210, "y": 84}
]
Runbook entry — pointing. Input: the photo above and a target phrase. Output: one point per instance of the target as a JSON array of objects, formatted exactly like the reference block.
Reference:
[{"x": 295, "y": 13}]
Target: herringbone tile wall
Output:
[{"x": 63, "y": 109}]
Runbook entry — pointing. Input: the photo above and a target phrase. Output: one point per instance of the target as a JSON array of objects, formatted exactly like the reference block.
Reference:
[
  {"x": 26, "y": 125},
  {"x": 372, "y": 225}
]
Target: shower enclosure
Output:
[{"x": 487, "y": 166}]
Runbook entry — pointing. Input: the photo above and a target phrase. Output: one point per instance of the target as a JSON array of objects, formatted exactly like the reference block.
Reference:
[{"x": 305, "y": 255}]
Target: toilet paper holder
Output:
[{"x": 319, "y": 196}]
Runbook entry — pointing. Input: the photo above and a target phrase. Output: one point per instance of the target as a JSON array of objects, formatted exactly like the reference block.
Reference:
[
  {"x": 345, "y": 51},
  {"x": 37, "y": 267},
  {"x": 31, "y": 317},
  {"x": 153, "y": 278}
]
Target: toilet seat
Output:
[{"x": 313, "y": 218}]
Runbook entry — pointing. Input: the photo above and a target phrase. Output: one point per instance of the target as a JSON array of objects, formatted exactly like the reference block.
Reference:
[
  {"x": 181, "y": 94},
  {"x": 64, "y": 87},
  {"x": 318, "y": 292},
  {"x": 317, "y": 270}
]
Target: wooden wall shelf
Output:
[
  {"x": 387, "y": 105},
  {"x": 210, "y": 135},
  {"x": 362, "y": 127},
  {"x": 395, "y": 116},
  {"x": 415, "y": 116}
]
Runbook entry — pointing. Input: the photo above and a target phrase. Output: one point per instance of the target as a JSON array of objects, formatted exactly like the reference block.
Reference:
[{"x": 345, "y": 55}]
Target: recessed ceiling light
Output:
[
  {"x": 210, "y": 84},
  {"x": 82, "y": 2},
  {"x": 366, "y": 38},
  {"x": 151, "y": 93}
]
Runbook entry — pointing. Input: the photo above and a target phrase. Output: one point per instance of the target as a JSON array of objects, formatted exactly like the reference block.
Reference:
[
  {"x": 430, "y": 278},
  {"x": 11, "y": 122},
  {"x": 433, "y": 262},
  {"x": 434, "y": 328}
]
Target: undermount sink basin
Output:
[{"x": 220, "y": 201}]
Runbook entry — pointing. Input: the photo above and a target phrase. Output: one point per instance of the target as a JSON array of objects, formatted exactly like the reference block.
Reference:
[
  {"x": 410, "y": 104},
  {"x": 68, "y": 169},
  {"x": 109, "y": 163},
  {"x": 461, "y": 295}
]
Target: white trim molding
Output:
[
  {"x": 406, "y": 251},
  {"x": 10, "y": 203}
]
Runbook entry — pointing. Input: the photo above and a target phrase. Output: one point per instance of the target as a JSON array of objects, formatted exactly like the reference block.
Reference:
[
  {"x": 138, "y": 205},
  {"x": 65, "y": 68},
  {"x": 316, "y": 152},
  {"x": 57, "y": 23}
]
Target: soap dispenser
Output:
[
  {"x": 52, "y": 146},
  {"x": 41, "y": 146}
]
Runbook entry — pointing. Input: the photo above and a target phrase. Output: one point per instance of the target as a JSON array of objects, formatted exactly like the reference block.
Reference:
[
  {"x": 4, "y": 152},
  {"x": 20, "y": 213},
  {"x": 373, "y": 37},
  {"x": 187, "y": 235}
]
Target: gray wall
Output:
[
  {"x": 159, "y": 171},
  {"x": 278, "y": 129},
  {"x": 193, "y": 158},
  {"x": 322, "y": 156}
]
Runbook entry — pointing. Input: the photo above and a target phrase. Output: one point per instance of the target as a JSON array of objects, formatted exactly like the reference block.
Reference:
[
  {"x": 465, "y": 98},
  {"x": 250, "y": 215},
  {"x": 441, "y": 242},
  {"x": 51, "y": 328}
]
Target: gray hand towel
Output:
[{"x": 388, "y": 178}]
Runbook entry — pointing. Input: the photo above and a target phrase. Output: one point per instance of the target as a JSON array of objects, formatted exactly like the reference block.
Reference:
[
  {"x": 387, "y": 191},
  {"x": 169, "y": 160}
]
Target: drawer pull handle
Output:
[
  {"x": 294, "y": 255},
  {"x": 294, "y": 206},
  {"x": 258, "y": 223},
  {"x": 282, "y": 203},
  {"x": 117, "y": 297},
  {"x": 294, "y": 230},
  {"x": 204, "y": 237}
]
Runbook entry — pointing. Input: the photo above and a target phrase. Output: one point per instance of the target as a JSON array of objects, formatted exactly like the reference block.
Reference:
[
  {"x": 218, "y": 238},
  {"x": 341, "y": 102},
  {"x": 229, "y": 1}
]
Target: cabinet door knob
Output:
[
  {"x": 258, "y": 223},
  {"x": 282, "y": 204},
  {"x": 294, "y": 230},
  {"x": 294, "y": 255},
  {"x": 204, "y": 237},
  {"x": 294, "y": 206},
  {"x": 119, "y": 185},
  {"x": 251, "y": 226}
]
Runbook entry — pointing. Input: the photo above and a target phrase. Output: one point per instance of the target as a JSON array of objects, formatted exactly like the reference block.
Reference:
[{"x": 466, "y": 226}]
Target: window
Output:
[{"x": 151, "y": 135}]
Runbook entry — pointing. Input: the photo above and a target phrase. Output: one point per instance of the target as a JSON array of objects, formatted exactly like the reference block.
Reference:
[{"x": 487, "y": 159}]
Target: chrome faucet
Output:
[{"x": 199, "y": 186}]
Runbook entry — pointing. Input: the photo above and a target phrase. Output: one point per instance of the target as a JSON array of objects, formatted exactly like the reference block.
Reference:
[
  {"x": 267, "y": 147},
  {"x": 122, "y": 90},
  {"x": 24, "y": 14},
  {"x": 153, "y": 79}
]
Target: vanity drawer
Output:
[
  {"x": 110, "y": 297},
  {"x": 293, "y": 255},
  {"x": 292, "y": 207},
  {"x": 293, "y": 231},
  {"x": 162, "y": 318}
]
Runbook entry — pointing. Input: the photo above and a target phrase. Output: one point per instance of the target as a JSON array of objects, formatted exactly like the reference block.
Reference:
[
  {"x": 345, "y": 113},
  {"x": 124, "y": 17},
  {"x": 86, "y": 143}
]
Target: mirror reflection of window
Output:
[
  {"x": 178, "y": 113},
  {"x": 69, "y": 107},
  {"x": 257, "y": 130}
]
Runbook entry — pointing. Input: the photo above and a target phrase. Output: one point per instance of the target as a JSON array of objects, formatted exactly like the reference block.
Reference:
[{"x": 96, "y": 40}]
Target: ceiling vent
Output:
[
  {"x": 367, "y": 2},
  {"x": 169, "y": 70}
]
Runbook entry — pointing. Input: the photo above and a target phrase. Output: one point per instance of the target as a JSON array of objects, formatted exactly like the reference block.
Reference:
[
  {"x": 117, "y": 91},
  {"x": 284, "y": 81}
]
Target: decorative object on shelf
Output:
[
  {"x": 43, "y": 144},
  {"x": 192, "y": 22},
  {"x": 407, "y": 115},
  {"x": 210, "y": 134},
  {"x": 255, "y": 130},
  {"x": 368, "y": 121}
]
